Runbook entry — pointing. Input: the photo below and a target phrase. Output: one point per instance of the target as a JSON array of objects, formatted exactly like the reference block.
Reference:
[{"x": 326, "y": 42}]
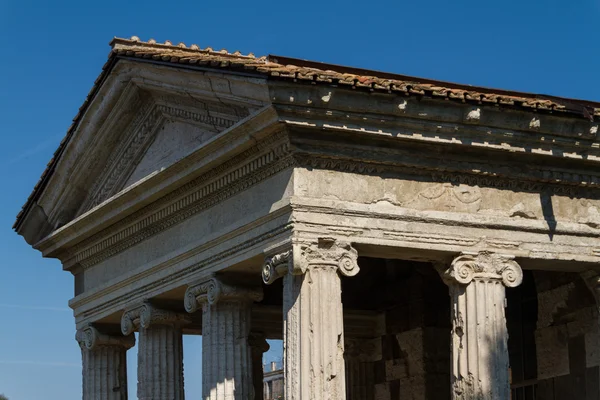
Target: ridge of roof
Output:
[{"x": 297, "y": 70}]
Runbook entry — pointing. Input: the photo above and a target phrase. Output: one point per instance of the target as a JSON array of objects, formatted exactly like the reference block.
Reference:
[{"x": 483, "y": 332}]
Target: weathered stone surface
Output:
[
  {"x": 174, "y": 172},
  {"x": 104, "y": 362},
  {"x": 553, "y": 352},
  {"x": 313, "y": 316},
  {"x": 227, "y": 360},
  {"x": 160, "y": 363},
  {"x": 360, "y": 354},
  {"x": 479, "y": 336},
  {"x": 160, "y": 350}
]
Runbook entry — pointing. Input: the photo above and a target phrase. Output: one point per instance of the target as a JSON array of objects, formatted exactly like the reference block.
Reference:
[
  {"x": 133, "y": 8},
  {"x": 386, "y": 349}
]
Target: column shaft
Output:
[
  {"x": 314, "y": 335},
  {"x": 258, "y": 346},
  {"x": 479, "y": 336},
  {"x": 104, "y": 373},
  {"x": 360, "y": 380},
  {"x": 479, "y": 341},
  {"x": 226, "y": 357},
  {"x": 160, "y": 363}
]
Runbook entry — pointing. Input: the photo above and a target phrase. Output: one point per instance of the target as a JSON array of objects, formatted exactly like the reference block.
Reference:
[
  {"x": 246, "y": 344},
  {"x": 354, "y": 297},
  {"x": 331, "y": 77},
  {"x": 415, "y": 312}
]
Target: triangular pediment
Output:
[
  {"x": 157, "y": 138},
  {"x": 141, "y": 120}
]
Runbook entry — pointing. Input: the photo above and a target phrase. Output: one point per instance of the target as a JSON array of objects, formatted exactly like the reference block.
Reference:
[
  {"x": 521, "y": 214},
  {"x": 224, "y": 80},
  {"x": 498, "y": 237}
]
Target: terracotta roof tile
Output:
[{"x": 300, "y": 70}]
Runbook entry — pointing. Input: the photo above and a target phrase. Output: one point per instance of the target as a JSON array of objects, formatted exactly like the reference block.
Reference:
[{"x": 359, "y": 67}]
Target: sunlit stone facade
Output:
[{"x": 404, "y": 238}]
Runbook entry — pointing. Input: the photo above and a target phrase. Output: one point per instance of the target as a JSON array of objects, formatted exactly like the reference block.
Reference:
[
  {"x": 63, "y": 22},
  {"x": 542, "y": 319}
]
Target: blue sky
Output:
[{"x": 53, "y": 51}]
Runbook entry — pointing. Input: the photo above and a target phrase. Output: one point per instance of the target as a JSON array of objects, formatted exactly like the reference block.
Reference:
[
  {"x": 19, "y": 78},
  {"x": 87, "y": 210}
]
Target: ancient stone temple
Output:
[{"x": 406, "y": 238}]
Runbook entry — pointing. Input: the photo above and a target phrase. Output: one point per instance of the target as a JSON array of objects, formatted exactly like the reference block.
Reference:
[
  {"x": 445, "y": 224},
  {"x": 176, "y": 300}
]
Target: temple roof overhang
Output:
[{"x": 298, "y": 93}]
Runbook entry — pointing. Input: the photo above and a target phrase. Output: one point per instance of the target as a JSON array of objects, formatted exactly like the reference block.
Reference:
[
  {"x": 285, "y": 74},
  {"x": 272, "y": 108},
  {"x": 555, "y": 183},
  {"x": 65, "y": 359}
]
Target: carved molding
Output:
[
  {"x": 90, "y": 338},
  {"x": 325, "y": 252},
  {"x": 218, "y": 185},
  {"x": 142, "y": 317},
  {"x": 483, "y": 266},
  {"x": 214, "y": 290},
  {"x": 189, "y": 271},
  {"x": 468, "y": 173},
  {"x": 277, "y": 266},
  {"x": 432, "y": 238},
  {"x": 122, "y": 161},
  {"x": 203, "y": 192}
]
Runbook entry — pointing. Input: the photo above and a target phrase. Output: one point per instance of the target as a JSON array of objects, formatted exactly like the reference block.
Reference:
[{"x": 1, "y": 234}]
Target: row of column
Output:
[{"x": 314, "y": 360}]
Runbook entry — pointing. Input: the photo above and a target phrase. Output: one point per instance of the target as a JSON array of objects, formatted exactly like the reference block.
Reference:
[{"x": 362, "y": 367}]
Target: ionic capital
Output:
[
  {"x": 146, "y": 315},
  {"x": 90, "y": 338},
  {"x": 325, "y": 252},
  {"x": 258, "y": 343},
  {"x": 214, "y": 290},
  {"x": 483, "y": 266}
]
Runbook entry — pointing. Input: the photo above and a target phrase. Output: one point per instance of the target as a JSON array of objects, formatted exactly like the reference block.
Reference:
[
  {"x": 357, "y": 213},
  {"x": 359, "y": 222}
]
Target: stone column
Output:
[
  {"x": 104, "y": 364},
  {"x": 258, "y": 346},
  {"x": 477, "y": 284},
  {"x": 160, "y": 351},
  {"x": 360, "y": 355},
  {"x": 226, "y": 355},
  {"x": 313, "y": 317}
]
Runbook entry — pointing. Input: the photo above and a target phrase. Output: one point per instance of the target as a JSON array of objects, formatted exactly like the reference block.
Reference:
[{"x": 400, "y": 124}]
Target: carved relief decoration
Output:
[
  {"x": 448, "y": 197},
  {"x": 325, "y": 252},
  {"x": 592, "y": 218},
  {"x": 213, "y": 290},
  {"x": 470, "y": 174}
]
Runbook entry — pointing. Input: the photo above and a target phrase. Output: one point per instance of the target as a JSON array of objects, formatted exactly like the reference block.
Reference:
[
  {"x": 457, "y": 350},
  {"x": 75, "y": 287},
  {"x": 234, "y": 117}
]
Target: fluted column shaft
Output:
[
  {"x": 360, "y": 380},
  {"x": 160, "y": 351},
  {"x": 104, "y": 361},
  {"x": 480, "y": 363},
  {"x": 313, "y": 335},
  {"x": 160, "y": 363},
  {"x": 226, "y": 356},
  {"x": 360, "y": 355},
  {"x": 313, "y": 317}
]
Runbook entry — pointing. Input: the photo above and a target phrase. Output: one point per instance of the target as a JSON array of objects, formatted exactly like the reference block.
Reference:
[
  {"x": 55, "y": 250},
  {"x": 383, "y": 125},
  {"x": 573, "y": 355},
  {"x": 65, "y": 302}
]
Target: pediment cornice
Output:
[
  {"x": 117, "y": 126},
  {"x": 209, "y": 169},
  {"x": 435, "y": 121},
  {"x": 141, "y": 132}
]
